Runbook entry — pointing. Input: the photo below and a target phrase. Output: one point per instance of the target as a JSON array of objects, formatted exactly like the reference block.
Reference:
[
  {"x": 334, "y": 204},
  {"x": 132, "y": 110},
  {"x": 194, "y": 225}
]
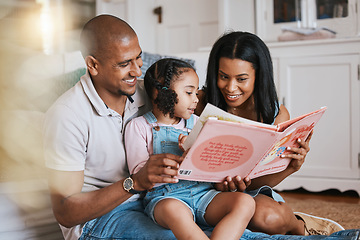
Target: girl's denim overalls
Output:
[{"x": 195, "y": 195}]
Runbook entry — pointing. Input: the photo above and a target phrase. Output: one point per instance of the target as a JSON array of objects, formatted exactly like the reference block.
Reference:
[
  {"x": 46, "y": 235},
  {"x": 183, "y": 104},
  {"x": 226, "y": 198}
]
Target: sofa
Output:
[{"x": 25, "y": 206}]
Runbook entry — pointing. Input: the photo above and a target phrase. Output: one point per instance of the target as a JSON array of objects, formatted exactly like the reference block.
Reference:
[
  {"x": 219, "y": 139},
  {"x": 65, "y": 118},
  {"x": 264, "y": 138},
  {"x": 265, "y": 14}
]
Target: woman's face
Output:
[{"x": 236, "y": 81}]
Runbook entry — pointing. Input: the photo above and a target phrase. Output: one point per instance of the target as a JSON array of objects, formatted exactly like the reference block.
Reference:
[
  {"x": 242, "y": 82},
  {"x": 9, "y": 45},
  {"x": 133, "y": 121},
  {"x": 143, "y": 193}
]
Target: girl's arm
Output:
[{"x": 136, "y": 144}]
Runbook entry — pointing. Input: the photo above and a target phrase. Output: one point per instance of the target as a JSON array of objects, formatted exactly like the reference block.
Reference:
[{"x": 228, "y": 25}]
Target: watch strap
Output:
[{"x": 131, "y": 189}]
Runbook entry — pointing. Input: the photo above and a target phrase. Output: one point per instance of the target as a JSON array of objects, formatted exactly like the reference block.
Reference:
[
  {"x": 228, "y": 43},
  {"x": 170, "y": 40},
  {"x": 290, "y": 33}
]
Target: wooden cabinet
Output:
[
  {"x": 311, "y": 74},
  {"x": 340, "y": 16}
]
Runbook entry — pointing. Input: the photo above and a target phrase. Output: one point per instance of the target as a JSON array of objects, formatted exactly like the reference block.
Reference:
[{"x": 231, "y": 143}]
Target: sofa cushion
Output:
[{"x": 66, "y": 81}]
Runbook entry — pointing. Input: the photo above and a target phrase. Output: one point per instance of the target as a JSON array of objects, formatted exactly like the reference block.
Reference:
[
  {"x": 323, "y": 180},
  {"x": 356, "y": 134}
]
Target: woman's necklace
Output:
[
  {"x": 241, "y": 112},
  {"x": 233, "y": 110}
]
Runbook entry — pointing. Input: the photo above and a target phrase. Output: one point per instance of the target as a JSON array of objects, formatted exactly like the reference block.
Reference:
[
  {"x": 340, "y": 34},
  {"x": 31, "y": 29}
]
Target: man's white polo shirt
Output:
[{"x": 81, "y": 133}]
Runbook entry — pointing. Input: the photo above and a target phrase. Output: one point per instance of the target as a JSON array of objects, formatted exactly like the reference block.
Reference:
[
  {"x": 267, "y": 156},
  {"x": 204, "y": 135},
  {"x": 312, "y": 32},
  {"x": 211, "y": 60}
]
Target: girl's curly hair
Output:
[{"x": 161, "y": 75}]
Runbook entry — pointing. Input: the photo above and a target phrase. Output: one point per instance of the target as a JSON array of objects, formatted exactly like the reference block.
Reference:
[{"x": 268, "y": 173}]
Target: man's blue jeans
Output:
[{"x": 128, "y": 221}]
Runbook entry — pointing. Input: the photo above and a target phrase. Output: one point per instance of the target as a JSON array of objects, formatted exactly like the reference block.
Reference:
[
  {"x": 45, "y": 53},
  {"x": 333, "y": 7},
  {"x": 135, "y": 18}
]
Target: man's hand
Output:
[
  {"x": 233, "y": 184},
  {"x": 160, "y": 168}
]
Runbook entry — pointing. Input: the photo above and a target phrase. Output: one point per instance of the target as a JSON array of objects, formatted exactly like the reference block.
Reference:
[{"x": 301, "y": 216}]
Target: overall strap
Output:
[
  {"x": 150, "y": 118},
  {"x": 189, "y": 123}
]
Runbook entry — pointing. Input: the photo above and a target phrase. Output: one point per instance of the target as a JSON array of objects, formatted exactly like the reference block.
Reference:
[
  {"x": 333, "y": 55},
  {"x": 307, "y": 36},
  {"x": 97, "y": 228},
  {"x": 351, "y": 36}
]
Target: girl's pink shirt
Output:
[{"x": 138, "y": 141}]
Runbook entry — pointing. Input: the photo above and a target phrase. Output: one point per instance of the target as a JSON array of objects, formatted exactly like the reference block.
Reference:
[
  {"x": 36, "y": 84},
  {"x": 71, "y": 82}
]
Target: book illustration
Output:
[
  {"x": 221, "y": 148},
  {"x": 272, "y": 162},
  {"x": 278, "y": 149}
]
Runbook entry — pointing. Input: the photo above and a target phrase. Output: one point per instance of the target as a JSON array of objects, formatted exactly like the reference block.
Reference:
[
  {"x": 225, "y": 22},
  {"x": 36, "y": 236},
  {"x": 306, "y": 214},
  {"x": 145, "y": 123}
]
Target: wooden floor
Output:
[
  {"x": 343, "y": 208},
  {"x": 330, "y": 196}
]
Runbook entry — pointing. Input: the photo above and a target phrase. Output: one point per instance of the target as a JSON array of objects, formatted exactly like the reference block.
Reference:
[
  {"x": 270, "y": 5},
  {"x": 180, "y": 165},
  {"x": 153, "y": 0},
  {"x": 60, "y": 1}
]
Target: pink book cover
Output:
[{"x": 227, "y": 148}]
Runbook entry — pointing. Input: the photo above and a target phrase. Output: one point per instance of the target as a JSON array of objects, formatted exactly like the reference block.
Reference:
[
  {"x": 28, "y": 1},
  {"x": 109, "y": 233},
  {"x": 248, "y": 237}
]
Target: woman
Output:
[{"x": 240, "y": 81}]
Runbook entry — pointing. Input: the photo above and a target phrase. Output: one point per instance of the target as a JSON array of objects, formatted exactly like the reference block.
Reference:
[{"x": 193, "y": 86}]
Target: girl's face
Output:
[
  {"x": 186, "y": 88},
  {"x": 236, "y": 81}
]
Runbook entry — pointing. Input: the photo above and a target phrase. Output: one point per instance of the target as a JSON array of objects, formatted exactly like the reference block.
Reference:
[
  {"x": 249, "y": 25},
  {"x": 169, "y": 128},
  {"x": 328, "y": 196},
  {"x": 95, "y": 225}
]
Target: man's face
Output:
[{"x": 118, "y": 68}]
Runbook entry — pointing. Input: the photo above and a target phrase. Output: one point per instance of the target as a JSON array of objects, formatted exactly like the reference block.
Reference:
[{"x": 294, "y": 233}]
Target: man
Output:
[
  {"x": 84, "y": 142},
  {"x": 92, "y": 194}
]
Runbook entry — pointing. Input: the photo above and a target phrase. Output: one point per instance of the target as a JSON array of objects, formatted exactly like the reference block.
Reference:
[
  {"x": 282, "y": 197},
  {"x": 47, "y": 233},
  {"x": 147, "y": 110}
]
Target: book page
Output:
[
  {"x": 272, "y": 162},
  {"x": 282, "y": 126},
  {"x": 224, "y": 149},
  {"x": 234, "y": 147},
  {"x": 211, "y": 111}
]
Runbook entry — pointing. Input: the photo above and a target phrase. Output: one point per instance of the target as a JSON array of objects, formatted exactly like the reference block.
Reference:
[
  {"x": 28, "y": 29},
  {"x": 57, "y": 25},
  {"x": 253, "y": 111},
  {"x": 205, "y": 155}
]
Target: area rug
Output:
[{"x": 347, "y": 214}]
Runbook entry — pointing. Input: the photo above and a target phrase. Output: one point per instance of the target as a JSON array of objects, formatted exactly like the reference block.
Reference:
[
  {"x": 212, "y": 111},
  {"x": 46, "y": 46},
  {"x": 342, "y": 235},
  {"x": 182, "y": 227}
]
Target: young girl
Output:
[
  {"x": 172, "y": 86},
  {"x": 240, "y": 81}
]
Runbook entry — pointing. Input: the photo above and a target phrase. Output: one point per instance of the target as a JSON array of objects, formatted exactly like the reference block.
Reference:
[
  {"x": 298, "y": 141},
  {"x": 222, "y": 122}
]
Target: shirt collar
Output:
[{"x": 99, "y": 105}]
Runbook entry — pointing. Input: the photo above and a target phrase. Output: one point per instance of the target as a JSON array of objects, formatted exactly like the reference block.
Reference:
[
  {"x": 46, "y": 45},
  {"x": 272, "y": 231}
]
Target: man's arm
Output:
[{"x": 72, "y": 207}]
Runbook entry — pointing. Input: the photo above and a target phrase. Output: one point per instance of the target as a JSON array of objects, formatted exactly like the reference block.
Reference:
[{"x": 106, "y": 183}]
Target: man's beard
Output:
[{"x": 127, "y": 95}]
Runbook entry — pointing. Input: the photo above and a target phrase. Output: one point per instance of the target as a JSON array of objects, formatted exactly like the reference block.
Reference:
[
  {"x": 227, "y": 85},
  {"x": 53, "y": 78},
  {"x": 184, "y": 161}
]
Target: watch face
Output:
[{"x": 128, "y": 184}]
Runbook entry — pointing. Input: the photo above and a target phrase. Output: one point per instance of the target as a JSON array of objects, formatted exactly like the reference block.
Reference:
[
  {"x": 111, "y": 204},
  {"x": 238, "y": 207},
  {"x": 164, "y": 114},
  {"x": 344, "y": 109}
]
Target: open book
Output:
[{"x": 222, "y": 144}]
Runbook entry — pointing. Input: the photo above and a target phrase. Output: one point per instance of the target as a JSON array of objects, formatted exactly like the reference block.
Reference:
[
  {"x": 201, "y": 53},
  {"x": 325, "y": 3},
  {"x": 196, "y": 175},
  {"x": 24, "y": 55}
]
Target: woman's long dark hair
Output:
[{"x": 248, "y": 47}]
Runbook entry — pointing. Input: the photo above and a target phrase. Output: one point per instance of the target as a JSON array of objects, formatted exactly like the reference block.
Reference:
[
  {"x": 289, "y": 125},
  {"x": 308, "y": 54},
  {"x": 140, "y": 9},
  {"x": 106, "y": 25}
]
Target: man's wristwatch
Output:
[{"x": 128, "y": 185}]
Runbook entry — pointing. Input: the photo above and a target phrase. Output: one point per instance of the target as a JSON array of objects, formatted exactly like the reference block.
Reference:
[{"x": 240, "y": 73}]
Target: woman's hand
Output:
[
  {"x": 233, "y": 184},
  {"x": 298, "y": 154}
]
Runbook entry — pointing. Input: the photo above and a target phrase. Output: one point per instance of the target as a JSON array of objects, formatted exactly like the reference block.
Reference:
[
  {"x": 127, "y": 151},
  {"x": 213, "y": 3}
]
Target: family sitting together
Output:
[{"x": 113, "y": 145}]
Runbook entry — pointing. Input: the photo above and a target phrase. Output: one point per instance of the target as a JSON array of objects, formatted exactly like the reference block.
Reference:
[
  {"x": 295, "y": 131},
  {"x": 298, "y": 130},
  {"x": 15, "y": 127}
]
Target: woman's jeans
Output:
[{"x": 128, "y": 221}]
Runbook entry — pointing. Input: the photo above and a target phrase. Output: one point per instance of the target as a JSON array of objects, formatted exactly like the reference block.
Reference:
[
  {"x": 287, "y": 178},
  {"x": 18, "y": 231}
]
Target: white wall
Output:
[
  {"x": 138, "y": 13},
  {"x": 144, "y": 22},
  {"x": 233, "y": 14},
  {"x": 237, "y": 15}
]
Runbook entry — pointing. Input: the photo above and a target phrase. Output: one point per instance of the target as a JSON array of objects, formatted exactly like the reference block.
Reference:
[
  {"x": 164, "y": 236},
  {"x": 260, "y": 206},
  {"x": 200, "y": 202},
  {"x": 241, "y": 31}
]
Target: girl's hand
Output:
[
  {"x": 298, "y": 154},
  {"x": 181, "y": 140},
  {"x": 233, "y": 184}
]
